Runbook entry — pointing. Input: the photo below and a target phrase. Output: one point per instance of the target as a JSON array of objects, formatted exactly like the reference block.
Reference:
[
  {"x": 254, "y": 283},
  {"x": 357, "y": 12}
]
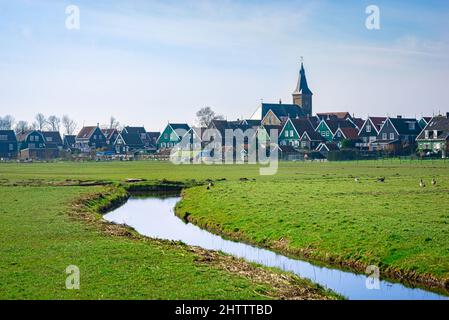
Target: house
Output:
[
  {"x": 31, "y": 139},
  {"x": 172, "y": 135},
  {"x": 299, "y": 133},
  {"x": 69, "y": 143},
  {"x": 90, "y": 139},
  {"x": 53, "y": 140},
  {"x": 8, "y": 144},
  {"x": 424, "y": 121},
  {"x": 397, "y": 135},
  {"x": 152, "y": 141},
  {"x": 251, "y": 123},
  {"x": 369, "y": 132},
  {"x": 346, "y": 137},
  {"x": 435, "y": 136},
  {"x": 111, "y": 135},
  {"x": 328, "y": 127},
  {"x": 129, "y": 142}
]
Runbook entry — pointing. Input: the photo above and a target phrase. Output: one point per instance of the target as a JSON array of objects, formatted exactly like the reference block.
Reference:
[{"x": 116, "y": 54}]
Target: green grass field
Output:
[{"x": 308, "y": 209}]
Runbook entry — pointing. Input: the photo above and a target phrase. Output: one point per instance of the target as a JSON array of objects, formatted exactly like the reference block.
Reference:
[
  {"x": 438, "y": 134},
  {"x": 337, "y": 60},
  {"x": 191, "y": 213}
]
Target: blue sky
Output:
[{"x": 149, "y": 62}]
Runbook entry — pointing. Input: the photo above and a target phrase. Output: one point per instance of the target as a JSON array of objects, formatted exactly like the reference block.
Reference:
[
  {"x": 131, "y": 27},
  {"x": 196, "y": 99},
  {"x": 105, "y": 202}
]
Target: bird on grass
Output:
[
  {"x": 434, "y": 182},
  {"x": 382, "y": 179},
  {"x": 422, "y": 184},
  {"x": 210, "y": 185},
  {"x": 357, "y": 179}
]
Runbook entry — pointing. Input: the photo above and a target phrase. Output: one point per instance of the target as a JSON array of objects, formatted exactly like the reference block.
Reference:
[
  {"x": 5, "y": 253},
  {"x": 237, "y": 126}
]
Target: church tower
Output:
[{"x": 302, "y": 96}]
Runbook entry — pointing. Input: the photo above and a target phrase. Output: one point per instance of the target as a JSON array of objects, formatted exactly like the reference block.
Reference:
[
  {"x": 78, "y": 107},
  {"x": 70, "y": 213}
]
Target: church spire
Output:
[
  {"x": 302, "y": 87},
  {"x": 302, "y": 96}
]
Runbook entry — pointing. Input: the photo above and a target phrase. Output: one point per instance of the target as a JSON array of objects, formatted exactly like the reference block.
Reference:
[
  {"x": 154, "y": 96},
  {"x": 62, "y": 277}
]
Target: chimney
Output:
[
  {"x": 447, "y": 115},
  {"x": 280, "y": 101},
  {"x": 399, "y": 117},
  {"x": 98, "y": 124}
]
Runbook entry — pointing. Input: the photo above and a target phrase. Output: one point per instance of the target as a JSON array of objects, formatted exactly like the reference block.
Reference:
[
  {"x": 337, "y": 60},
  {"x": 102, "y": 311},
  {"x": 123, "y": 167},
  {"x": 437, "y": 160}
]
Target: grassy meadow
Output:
[{"x": 313, "y": 210}]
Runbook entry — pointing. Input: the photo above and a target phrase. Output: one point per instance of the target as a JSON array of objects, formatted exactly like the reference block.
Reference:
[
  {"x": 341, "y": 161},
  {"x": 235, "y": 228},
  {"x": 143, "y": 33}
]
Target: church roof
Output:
[
  {"x": 282, "y": 110},
  {"x": 302, "y": 87}
]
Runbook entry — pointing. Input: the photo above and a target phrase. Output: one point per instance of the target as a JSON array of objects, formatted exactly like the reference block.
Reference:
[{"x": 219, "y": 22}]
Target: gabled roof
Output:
[
  {"x": 153, "y": 136},
  {"x": 54, "y": 136},
  {"x": 359, "y": 122},
  {"x": 282, "y": 110},
  {"x": 302, "y": 125},
  {"x": 328, "y": 146},
  {"x": 22, "y": 136},
  {"x": 439, "y": 124},
  {"x": 132, "y": 139},
  {"x": 377, "y": 122},
  {"x": 334, "y": 124},
  {"x": 349, "y": 133},
  {"x": 86, "y": 132},
  {"x": 69, "y": 139},
  {"x": 252, "y": 123},
  {"x": 10, "y": 136},
  {"x": 109, "y": 133},
  {"x": 180, "y": 126},
  {"x": 134, "y": 130},
  {"x": 402, "y": 126},
  {"x": 334, "y": 115}
]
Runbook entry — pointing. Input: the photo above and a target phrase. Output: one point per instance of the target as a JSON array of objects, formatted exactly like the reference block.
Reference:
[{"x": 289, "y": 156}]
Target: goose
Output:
[
  {"x": 382, "y": 179},
  {"x": 434, "y": 182},
  {"x": 357, "y": 180},
  {"x": 422, "y": 184}
]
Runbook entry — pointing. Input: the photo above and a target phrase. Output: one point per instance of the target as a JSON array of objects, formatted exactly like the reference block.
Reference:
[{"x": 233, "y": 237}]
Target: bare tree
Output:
[
  {"x": 54, "y": 123},
  {"x": 40, "y": 122},
  {"x": 113, "y": 123},
  {"x": 6, "y": 123},
  {"x": 206, "y": 115},
  {"x": 21, "y": 126},
  {"x": 69, "y": 125}
]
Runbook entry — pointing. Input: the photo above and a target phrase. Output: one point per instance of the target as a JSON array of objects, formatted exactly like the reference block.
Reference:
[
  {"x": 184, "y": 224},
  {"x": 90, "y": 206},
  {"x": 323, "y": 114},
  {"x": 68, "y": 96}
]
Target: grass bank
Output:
[{"x": 45, "y": 228}]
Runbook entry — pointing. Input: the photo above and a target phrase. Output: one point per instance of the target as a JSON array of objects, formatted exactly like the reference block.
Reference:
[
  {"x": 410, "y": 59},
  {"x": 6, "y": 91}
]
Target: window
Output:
[
  {"x": 384, "y": 136},
  {"x": 339, "y": 134},
  {"x": 36, "y": 138},
  {"x": 286, "y": 133},
  {"x": 303, "y": 144},
  {"x": 368, "y": 128},
  {"x": 426, "y": 133},
  {"x": 392, "y": 136},
  {"x": 411, "y": 125},
  {"x": 31, "y": 138},
  {"x": 11, "y": 147},
  {"x": 291, "y": 133},
  {"x": 95, "y": 137},
  {"x": 166, "y": 136},
  {"x": 31, "y": 146},
  {"x": 3, "y": 137},
  {"x": 49, "y": 139},
  {"x": 435, "y": 134}
]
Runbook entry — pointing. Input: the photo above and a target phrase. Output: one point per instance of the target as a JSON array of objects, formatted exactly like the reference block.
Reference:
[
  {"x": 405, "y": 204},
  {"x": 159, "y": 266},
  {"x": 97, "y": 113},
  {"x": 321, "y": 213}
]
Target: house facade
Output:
[
  {"x": 397, "y": 135},
  {"x": 369, "y": 132},
  {"x": 435, "y": 136},
  {"x": 172, "y": 135},
  {"x": 90, "y": 139},
  {"x": 8, "y": 144},
  {"x": 328, "y": 127},
  {"x": 31, "y": 139},
  {"x": 53, "y": 140}
]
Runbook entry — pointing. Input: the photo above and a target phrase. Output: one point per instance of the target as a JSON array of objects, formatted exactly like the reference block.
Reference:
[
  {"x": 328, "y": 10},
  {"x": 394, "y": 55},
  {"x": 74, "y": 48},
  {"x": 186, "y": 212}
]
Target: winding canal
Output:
[{"x": 154, "y": 217}]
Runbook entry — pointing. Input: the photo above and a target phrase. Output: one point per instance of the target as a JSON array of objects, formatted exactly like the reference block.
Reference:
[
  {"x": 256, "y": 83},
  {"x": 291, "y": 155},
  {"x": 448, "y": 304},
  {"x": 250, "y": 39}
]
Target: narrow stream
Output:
[{"x": 155, "y": 218}]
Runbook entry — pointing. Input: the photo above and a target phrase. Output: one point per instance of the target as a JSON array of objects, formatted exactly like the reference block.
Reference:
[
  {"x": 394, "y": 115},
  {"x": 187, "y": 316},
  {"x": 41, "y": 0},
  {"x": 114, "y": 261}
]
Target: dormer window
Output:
[
  {"x": 411, "y": 126},
  {"x": 426, "y": 133}
]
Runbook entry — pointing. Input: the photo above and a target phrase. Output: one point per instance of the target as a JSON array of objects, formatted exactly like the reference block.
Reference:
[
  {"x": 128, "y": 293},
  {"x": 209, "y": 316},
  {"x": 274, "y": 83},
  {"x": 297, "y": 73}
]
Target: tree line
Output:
[{"x": 68, "y": 126}]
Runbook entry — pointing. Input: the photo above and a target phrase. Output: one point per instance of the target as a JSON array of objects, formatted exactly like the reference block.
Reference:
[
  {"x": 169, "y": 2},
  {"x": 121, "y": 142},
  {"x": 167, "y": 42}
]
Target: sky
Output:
[{"x": 151, "y": 62}]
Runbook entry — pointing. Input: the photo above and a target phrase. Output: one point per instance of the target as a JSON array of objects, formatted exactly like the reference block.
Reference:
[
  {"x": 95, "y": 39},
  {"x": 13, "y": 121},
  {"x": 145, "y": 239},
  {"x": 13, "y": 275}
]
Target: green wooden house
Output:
[
  {"x": 299, "y": 133},
  {"x": 172, "y": 135}
]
